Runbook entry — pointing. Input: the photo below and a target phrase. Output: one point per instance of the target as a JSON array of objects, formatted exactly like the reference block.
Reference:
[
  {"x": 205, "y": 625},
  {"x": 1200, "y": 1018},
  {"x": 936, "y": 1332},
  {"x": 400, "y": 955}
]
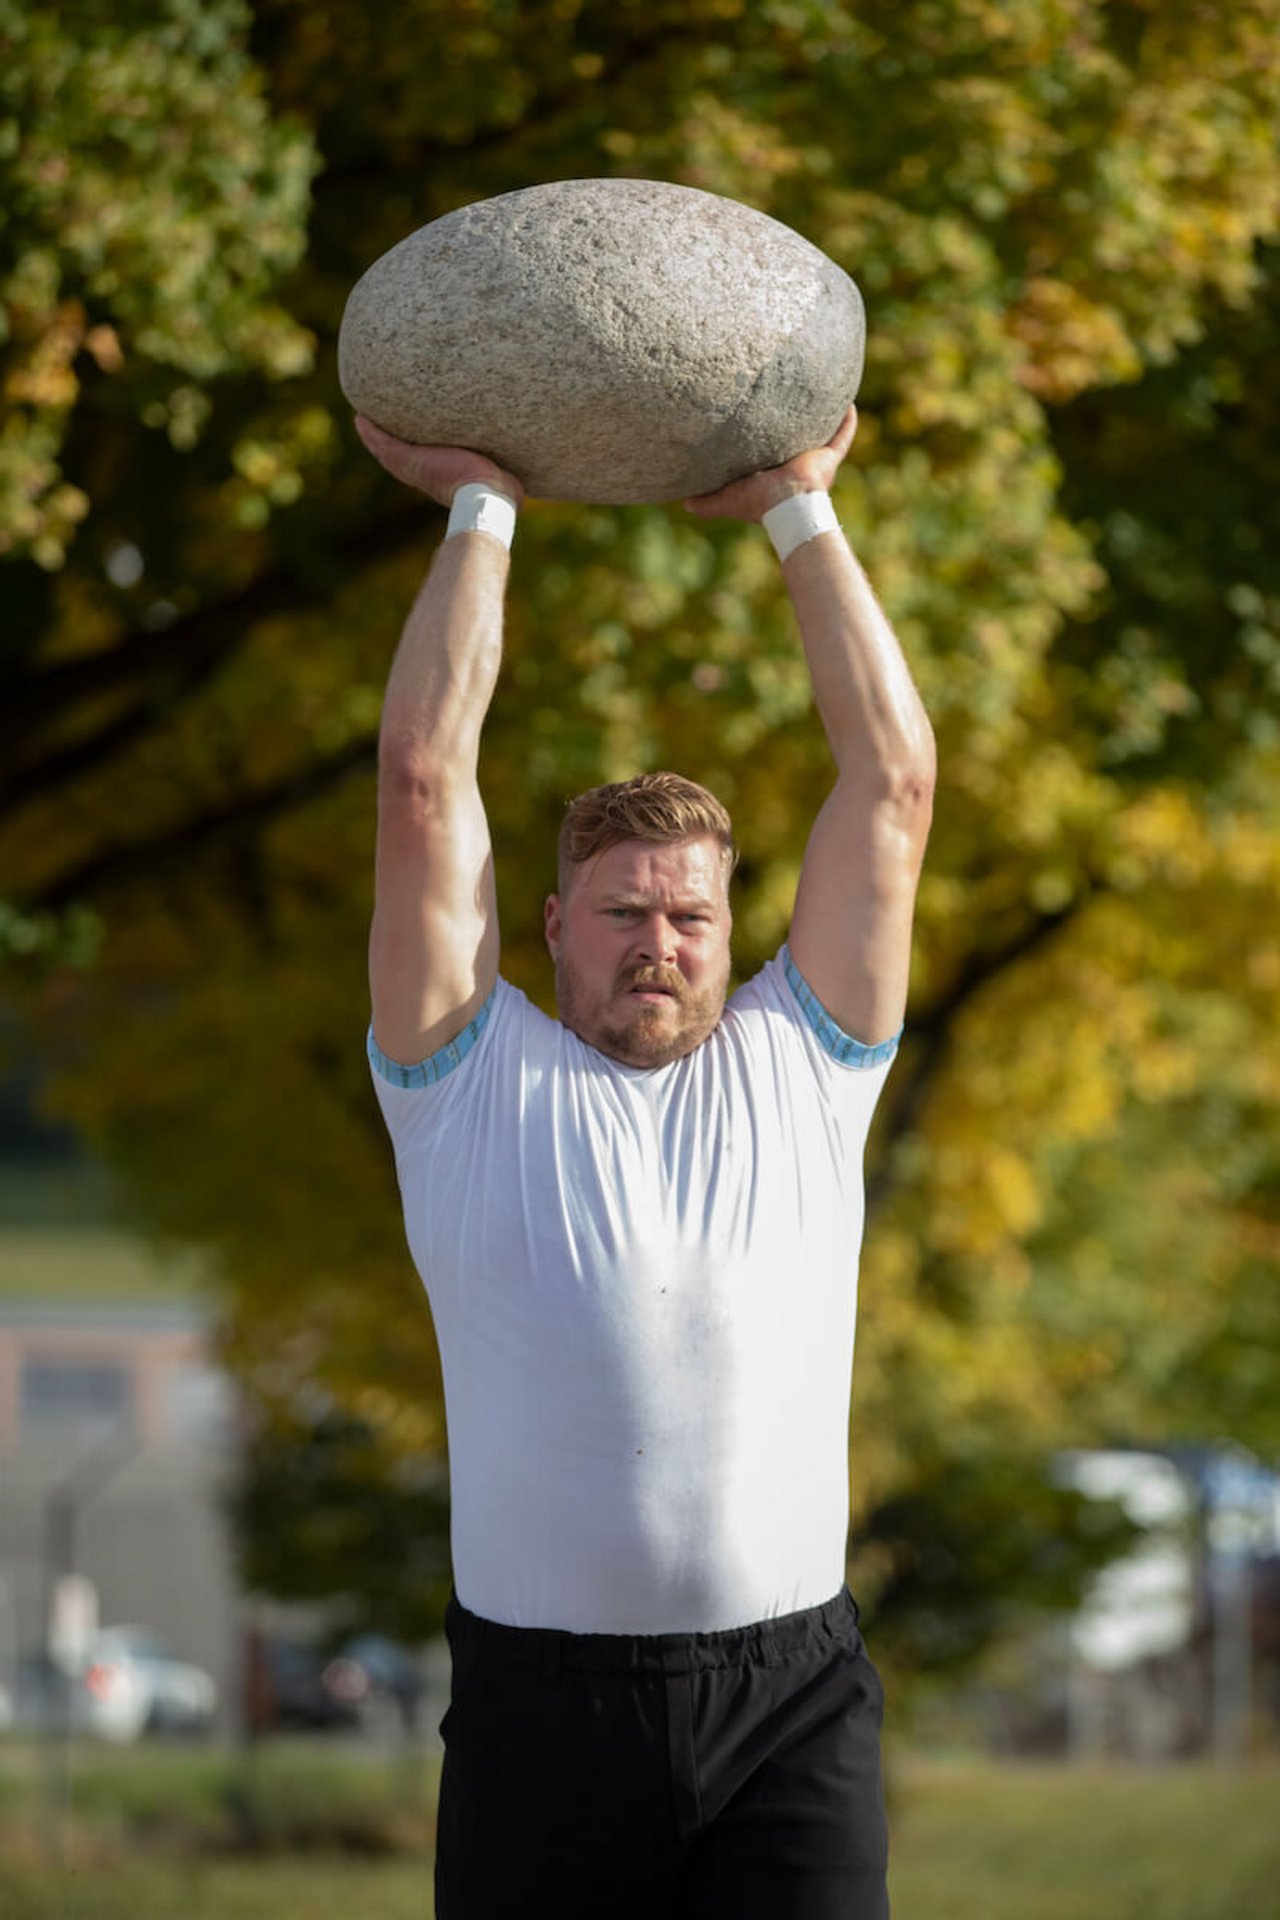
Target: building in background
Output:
[
  {"x": 117, "y": 1428},
  {"x": 1175, "y": 1649},
  {"x": 116, "y": 1439},
  {"x": 120, "y": 1436}
]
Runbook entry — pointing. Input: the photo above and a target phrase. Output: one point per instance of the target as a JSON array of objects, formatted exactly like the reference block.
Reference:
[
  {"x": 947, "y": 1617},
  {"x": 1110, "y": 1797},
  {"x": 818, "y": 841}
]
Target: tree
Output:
[{"x": 1062, "y": 216}]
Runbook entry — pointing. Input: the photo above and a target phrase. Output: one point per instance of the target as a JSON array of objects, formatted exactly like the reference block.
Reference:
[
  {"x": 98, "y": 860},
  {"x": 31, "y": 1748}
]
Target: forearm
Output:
[
  {"x": 446, "y": 666},
  {"x": 874, "y": 719},
  {"x": 851, "y": 928}
]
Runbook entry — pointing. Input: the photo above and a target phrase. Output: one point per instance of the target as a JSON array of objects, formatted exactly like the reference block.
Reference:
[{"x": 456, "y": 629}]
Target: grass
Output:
[
  {"x": 221, "y": 1890},
  {"x": 983, "y": 1842},
  {"x": 286, "y": 1797},
  {"x": 74, "y": 1266},
  {"x": 972, "y": 1841},
  {"x": 302, "y": 1831}
]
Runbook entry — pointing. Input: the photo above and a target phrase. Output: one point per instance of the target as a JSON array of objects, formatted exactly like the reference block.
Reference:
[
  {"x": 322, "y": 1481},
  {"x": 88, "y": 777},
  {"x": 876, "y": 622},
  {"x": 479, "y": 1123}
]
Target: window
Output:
[{"x": 58, "y": 1396}]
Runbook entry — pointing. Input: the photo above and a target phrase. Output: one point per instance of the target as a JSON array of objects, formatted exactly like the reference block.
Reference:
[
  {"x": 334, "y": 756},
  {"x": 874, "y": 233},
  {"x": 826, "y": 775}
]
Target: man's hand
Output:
[
  {"x": 436, "y": 471},
  {"x": 752, "y": 497}
]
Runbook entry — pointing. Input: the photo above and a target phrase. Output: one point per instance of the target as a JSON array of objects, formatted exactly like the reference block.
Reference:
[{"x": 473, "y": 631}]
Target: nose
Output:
[{"x": 656, "y": 941}]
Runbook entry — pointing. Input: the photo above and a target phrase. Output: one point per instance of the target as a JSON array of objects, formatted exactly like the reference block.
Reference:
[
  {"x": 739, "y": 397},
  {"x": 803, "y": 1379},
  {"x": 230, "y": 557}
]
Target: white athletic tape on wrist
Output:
[
  {"x": 801, "y": 517},
  {"x": 480, "y": 508}
]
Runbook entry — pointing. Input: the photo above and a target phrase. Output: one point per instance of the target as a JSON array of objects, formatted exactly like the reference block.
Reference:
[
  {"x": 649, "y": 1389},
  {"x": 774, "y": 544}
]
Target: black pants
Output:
[{"x": 703, "y": 1776}]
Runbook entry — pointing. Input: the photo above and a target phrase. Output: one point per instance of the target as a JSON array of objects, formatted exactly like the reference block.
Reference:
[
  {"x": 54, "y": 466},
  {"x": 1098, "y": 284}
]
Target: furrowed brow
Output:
[{"x": 640, "y": 903}]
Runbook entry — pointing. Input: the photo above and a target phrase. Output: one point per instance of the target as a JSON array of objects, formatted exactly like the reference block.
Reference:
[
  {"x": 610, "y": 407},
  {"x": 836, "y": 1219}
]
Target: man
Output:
[{"x": 639, "y": 1229}]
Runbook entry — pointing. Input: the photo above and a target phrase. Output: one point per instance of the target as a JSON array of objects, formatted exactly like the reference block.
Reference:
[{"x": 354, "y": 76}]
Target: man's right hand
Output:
[
  {"x": 436, "y": 471},
  {"x": 751, "y": 497}
]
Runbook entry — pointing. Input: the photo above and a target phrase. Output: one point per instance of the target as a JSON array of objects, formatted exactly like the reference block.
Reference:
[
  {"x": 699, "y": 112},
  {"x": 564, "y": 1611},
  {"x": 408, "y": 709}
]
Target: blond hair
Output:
[{"x": 661, "y": 807}]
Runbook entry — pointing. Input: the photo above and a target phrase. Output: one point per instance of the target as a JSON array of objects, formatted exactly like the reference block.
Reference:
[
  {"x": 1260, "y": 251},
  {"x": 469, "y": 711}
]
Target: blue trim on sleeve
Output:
[
  {"x": 439, "y": 1063},
  {"x": 833, "y": 1039}
]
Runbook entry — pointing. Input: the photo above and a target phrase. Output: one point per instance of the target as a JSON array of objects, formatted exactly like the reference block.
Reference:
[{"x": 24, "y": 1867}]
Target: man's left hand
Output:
[{"x": 752, "y": 497}]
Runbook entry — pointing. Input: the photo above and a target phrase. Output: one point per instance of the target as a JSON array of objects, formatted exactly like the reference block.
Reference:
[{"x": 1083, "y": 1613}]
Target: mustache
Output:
[{"x": 656, "y": 979}]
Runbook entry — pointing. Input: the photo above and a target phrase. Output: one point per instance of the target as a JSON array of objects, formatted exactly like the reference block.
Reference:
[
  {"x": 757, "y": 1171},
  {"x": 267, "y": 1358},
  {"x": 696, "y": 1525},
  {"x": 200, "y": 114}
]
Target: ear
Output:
[{"x": 552, "y": 923}]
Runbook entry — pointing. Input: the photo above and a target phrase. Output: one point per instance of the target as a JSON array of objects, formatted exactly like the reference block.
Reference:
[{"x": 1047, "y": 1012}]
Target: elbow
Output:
[
  {"x": 917, "y": 778},
  {"x": 412, "y": 780},
  {"x": 909, "y": 803},
  {"x": 404, "y": 768},
  {"x": 909, "y": 776},
  {"x": 900, "y": 790}
]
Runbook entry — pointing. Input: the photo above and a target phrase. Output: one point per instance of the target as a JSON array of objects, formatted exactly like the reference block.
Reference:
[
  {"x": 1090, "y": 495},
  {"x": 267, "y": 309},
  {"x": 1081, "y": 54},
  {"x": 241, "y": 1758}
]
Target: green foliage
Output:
[
  {"x": 331, "y": 1509},
  {"x": 1065, "y": 219},
  {"x": 70, "y": 938},
  {"x": 148, "y": 206},
  {"x": 958, "y": 1560}
]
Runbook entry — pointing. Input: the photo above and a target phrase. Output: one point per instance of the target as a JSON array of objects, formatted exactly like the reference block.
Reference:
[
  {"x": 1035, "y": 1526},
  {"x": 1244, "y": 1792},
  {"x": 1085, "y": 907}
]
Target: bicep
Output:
[
  {"x": 855, "y": 904},
  {"x": 433, "y": 946}
]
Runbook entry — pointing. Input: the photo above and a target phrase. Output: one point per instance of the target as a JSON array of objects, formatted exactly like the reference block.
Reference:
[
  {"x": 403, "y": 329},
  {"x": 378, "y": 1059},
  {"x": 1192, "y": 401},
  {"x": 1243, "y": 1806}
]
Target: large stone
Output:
[{"x": 607, "y": 340}]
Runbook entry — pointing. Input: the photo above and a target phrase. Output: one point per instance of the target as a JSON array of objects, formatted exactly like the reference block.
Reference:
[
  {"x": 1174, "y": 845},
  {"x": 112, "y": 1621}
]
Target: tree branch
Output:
[
  {"x": 130, "y": 860},
  {"x": 645, "y": 45},
  {"x": 200, "y": 642},
  {"x": 931, "y": 1031}
]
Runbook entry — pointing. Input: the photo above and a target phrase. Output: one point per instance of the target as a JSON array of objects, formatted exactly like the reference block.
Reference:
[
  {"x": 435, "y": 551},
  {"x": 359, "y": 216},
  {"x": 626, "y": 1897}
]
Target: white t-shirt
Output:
[{"x": 644, "y": 1288}]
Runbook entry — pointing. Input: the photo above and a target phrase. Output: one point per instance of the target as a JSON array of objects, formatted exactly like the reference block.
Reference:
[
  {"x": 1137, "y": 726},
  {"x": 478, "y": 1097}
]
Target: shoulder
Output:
[
  {"x": 795, "y": 1058},
  {"x": 415, "y": 1077},
  {"x": 780, "y": 1001},
  {"x": 507, "y": 1036}
]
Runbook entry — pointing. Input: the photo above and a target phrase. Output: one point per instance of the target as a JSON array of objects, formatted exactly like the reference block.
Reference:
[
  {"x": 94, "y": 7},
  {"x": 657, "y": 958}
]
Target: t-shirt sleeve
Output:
[
  {"x": 830, "y": 1035},
  {"x": 416, "y": 1099},
  {"x": 798, "y": 1029}
]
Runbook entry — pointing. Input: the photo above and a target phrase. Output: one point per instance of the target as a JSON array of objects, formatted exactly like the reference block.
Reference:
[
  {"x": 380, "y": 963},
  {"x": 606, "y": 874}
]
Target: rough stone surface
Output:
[{"x": 607, "y": 340}]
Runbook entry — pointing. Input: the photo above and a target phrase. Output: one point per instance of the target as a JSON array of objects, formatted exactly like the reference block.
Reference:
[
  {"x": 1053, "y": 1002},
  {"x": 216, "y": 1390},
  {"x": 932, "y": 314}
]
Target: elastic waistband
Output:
[{"x": 765, "y": 1643}]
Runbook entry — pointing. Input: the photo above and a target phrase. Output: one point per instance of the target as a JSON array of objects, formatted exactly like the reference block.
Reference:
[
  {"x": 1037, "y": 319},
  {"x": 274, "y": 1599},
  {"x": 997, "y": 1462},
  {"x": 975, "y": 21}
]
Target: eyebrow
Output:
[{"x": 688, "y": 903}]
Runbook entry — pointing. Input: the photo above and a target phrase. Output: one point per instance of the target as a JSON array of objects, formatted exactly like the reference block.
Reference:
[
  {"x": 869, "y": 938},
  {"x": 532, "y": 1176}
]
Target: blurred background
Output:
[{"x": 223, "y": 1487}]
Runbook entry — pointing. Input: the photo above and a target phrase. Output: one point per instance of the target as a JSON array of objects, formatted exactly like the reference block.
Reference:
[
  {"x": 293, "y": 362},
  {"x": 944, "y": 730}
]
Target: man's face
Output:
[{"x": 640, "y": 942}]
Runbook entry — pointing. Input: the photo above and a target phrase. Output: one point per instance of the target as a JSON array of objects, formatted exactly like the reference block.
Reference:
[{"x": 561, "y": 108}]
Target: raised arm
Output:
[
  {"x": 433, "y": 948},
  {"x": 851, "y": 930}
]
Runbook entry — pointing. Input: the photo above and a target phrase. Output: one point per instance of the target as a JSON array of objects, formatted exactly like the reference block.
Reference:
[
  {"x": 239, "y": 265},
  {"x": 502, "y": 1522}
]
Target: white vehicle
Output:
[
  {"x": 136, "y": 1685},
  {"x": 129, "y": 1683}
]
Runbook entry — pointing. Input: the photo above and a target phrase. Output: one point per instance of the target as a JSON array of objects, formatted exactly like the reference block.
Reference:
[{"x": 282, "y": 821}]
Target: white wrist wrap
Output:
[
  {"x": 799, "y": 518},
  {"x": 480, "y": 508}
]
